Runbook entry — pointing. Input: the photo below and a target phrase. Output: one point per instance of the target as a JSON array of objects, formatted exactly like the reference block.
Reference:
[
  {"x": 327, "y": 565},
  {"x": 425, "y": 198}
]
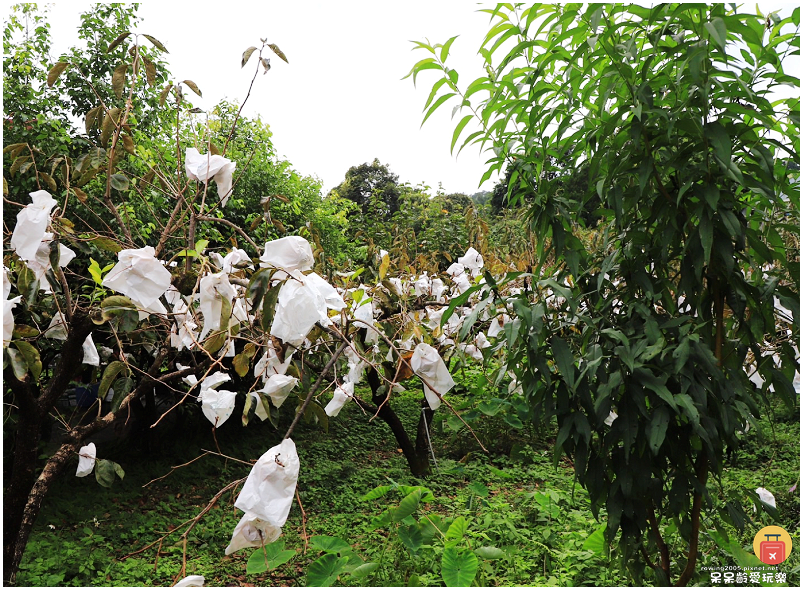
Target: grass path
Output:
[{"x": 516, "y": 501}]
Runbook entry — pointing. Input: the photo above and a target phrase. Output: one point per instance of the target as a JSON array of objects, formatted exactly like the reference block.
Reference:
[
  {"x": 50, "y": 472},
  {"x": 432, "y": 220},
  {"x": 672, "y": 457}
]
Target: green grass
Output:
[{"x": 529, "y": 509}]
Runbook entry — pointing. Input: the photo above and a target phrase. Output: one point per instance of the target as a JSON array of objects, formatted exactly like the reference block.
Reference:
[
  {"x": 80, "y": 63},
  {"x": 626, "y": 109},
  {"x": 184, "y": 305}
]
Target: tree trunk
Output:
[
  {"x": 14, "y": 550},
  {"x": 415, "y": 453},
  {"x": 24, "y": 494},
  {"x": 16, "y": 494}
]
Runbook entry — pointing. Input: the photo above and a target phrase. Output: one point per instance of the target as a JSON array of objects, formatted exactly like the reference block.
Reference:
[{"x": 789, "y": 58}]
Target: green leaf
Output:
[
  {"x": 225, "y": 314},
  {"x": 720, "y": 140},
  {"x": 500, "y": 473},
  {"x": 596, "y": 542},
  {"x": 411, "y": 537},
  {"x": 215, "y": 341},
  {"x": 657, "y": 428},
  {"x": 27, "y": 284},
  {"x": 316, "y": 410},
  {"x": 457, "y": 530},
  {"x": 489, "y": 552},
  {"x": 329, "y": 544},
  {"x": 107, "y": 244},
  {"x": 24, "y": 331},
  {"x": 459, "y": 128},
  {"x": 564, "y": 360},
  {"x": 687, "y": 404},
  {"x": 275, "y": 557},
  {"x": 381, "y": 521},
  {"x": 18, "y": 364},
  {"x": 646, "y": 378},
  {"x": 458, "y": 302},
  {"x": 31, "y": 357},
  {"x": 241, "y": 363},
  {"x": 268, "y": 308},
  {"x": 325, "y": 570},
  {"x": 378, "y": 492},
  {"x": 439, "y": 102},
  {"x": 122, "y": 311},
  {"x": 364, "y": 570},
  {"x": 478, "y": 489},
  {"x": 122, "y": 387},
  {"x": 513, "y": 421},
  {"x": 408, "y": 506},
  {"x": 120, "y": 182},
  {"x": 113, "y": 369},
  {"x": 446, "y": 48},
  {"x": 459, "y": 569},
  {"x": 716, "y": 28},
  {"x": 106, "y": 471}
]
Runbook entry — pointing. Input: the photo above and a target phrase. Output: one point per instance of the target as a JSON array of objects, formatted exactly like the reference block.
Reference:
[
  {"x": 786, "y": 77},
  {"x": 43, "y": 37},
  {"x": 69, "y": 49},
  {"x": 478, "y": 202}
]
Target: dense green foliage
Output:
[{"x": 669, "y": 114}]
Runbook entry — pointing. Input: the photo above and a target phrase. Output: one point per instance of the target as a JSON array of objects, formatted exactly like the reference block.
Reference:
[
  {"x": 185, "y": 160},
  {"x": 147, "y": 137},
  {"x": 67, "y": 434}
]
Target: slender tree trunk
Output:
[
  {"x": 416, "y": 453},
  {"x": 423, "y": 446},
  {"x": 24, "y": 494},
  {"x": 13, "y": 552},
  {"x": 16, "y": 494}
]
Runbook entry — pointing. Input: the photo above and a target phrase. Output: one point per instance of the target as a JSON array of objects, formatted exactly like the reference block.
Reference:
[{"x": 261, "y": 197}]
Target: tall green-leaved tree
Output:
[{"x": 685, "y": 119}]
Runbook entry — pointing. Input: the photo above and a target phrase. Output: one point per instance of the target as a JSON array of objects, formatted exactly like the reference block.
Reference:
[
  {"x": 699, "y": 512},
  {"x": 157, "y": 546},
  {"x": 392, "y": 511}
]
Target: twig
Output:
[
  {"x": 59, "y": 272},
  {"x": 305, "y": 534},
  {"x": 171, "y": 471},
  {"x": 249, "y": 91},
  {"x": 175, "y": 375},
  {"x": 248, "y": 463},
  {"x": 232, "y": 225},
  {"x": 160, "y": 539},
  {"x": 210, "y": 505},
  {"x": 316, "y": 386},
  {"x": 158, "y": 553}
]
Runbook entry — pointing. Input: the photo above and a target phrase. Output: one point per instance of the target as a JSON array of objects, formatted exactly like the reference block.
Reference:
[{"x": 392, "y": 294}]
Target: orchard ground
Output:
[{"x": 514, "y": 499}]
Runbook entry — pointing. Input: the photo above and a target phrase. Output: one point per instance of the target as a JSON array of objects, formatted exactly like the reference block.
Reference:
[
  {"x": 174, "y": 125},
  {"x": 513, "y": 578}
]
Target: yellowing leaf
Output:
[
  {"x": 118, "y": 79},
  {"x": 48, "y": 180},
  {"x": 246, "y": 55},
  {"x": 82, "y": 197},
  {"x": 115, "y": 43},
  {"x": 150, "y": 71},
  {"x": 127, "y": 143},
  {"x": 194, "y": 87},
  {"x": 156, "y": 42},
  {"x": 163, "y": 97},
  {"x": 55, "y": 72},
  {"x": 384, "y": 268},
  {"x": 278, "y": 52},
  {"x": 92, "y": 118}
]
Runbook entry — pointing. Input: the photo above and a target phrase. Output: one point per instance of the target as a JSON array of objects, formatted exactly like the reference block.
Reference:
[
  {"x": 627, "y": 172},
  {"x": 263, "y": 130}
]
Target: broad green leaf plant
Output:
[{"x": 651, "y": 349}]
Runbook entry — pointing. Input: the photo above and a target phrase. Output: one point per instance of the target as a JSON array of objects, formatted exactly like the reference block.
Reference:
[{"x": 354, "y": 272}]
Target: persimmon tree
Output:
[
  {"x": 651, "y": 350},
  {"x": 171, "y": 308}
]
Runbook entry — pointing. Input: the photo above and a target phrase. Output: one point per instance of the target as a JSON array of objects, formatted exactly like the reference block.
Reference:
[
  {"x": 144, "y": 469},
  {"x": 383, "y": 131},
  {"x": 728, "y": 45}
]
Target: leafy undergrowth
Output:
[{"x": 526, "y": 519}]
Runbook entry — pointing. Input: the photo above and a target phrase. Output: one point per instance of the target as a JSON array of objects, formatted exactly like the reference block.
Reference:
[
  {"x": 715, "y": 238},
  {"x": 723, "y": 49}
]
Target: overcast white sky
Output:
[{"x": 340, "y": 101}]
